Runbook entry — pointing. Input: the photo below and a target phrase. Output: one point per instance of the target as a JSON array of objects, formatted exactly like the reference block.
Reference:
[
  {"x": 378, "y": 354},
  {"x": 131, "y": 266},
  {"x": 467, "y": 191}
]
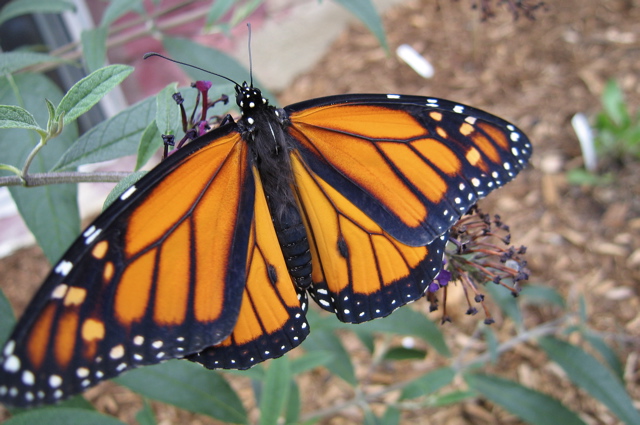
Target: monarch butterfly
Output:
[{"x": 211, "y": 255}]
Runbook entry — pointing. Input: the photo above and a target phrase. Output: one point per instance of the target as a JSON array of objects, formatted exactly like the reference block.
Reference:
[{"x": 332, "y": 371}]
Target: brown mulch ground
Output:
[{"x": 582, "y": 241}]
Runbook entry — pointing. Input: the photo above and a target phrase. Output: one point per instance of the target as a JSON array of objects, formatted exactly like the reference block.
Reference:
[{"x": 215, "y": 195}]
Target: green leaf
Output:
[
  {"x": 7, "y": 319},
  {"x": 580, "y": 176},
  {"x": 188, "y": 386},
  {"x": 367, "y": 338},
  {"x": 94, "y": 47},
  {"x": 492, "y": 343},
  {"x": 196, "y": 54},
  {"x": 366, "y": 12},
  {"x": 62, "y": 416},
  {"x": 606, "y": 352},
  {"x": 454, "y": 397},
  {"x": 11, "y": 62},
  {"x": 275, "y": 391},
  {"x": 145, "y": 415},
  {"x": 150, "y": 142},
  {"x": 117, "y": 8},
  {"x": 428, "y": 383},
  {"x": 24, "y": 7},
  {"x": 537, "y": 294},
  {"x": 17, "y": 117},
  {"x": 391, "y": 416},
  {"x": 340, "y": 363},
  {"x": 122, "y": 185},
  {"x": 401, "y": 353},
  {"x": 217, "y": 10},
  {"x": 114, "y": 138},
  {"x": 243, "y": 11},
  {"x": 587, "y": 372},
  {"x": 406, "y": 321},
  {"x": 614, "y": 105},
  {"x": 293, "y": 407},
  {"x": 167, "y": 111},
  {"x": 205, "y": 57},
  {"x": 533, "y": 407},
  {"x": 56, "y": 229},
  {"x": 582, "y": 309},
  {"x": 88, "y": 91},
  {"x": 310, "y": 361}
]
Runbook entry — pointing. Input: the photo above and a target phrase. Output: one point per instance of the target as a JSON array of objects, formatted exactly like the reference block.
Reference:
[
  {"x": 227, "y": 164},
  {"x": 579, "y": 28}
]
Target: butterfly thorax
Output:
[{"x": 263, "y": 128}]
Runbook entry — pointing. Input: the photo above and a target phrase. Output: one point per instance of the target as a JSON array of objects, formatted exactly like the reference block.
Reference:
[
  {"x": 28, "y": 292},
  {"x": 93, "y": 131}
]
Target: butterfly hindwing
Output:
[
  {"x": 272, "y": 315},
  {"x": 414, "y": 165},
  {"x": 131, "y": 290},
  {"x": 359, "y": 271}
]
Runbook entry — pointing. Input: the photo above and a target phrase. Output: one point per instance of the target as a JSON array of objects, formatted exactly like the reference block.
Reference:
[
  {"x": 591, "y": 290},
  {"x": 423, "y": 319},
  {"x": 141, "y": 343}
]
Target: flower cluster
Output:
[
  {"x": 473, "y": 257},
  {"x": 197, "y": 124}
]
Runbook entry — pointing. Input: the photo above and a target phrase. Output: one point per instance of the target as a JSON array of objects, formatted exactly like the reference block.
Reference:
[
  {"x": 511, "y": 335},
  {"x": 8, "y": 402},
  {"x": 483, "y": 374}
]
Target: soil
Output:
[{"x": 583, "y": 241}]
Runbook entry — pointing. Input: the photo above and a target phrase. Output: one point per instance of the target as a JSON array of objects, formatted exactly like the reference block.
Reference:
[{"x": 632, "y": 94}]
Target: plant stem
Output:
[
  {"x": 42, "y": 179},
  {"x": 548, "y": 328}
]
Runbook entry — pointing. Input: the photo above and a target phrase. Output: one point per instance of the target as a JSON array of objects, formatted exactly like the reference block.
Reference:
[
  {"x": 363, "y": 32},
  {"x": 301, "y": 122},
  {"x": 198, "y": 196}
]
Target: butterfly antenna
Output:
[
  {"x": 148, "y": 55},
  {"x": 250, "y": 59}
]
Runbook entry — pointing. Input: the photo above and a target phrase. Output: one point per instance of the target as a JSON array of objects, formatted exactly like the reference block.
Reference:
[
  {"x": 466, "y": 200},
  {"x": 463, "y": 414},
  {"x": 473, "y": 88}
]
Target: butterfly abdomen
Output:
[{"x": 263, "y": 128}]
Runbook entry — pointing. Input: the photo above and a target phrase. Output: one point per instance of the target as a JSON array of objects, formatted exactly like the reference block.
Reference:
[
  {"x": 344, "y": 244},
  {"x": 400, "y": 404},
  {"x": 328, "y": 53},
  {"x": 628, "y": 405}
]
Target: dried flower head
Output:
[{"x": 478, "y": 252}]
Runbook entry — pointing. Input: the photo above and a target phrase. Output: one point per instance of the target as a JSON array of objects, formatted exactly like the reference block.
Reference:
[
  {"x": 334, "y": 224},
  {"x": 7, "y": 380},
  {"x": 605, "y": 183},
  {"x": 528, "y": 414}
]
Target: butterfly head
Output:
[{"x": 249, "y": 98}]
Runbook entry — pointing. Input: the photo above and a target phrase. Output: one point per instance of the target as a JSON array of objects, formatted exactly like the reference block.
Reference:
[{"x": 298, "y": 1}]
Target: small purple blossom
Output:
[{"x": 203, "y": 86}]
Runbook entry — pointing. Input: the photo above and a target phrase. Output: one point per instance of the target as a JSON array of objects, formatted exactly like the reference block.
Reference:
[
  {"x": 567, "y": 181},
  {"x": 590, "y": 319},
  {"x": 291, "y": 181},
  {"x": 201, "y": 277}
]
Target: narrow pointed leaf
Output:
[
  {"x": 94, "y": 47},
  {"x": 66, "y": 416},
  {"x": 205, "y": 57},
  {"x": 114, "y": 138},
  {"x": 167, "y": 111},
  {"x": 366, "y": 12},
  {"x": 117, "y": 8},
  {"x": 11, "y": 62},
  {"x": 606, "y": 352},
  {"x": 145, "y": 415},
  {"x": 24, "y": 7},
  {"x": 340, "y": 364},
  {"x": 275, "y": 393},
  {"x": 533, "y": 407},
  {"x": 88, "y": 91},
  {"x": 187, "y": 386},
  {"x": 589, "y": 374},
  {"x": 122, "y": 185},
  {"x": 406, "y": 321},
  {"x": 537, "y": 294},
  {"x": 217, "y": 10},
  {"x": 428, "y": 383},
  {"x": 17, "y": 117},
  {"x": 150, "y": 142},
  {"x": 292, "y": 409},
  {"x": 310, "y": 361}
]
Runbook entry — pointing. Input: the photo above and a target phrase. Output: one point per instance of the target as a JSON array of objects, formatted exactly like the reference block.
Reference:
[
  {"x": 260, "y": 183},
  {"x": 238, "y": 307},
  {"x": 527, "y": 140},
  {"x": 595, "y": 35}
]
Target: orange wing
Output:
[
  {"x": 159, "y": 275},
  {"x": 380, "y": 181},
  {"x": 414, "y": 165},
  {"x": 272, "y": 319},
  {"x": 359, "y": 271}
]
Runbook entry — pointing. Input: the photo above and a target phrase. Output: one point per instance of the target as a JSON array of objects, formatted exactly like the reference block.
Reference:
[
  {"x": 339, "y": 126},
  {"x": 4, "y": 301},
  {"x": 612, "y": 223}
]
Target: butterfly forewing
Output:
[
  {"x": 153, "y": 278},
  {"x": 412, "y": 164}
]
